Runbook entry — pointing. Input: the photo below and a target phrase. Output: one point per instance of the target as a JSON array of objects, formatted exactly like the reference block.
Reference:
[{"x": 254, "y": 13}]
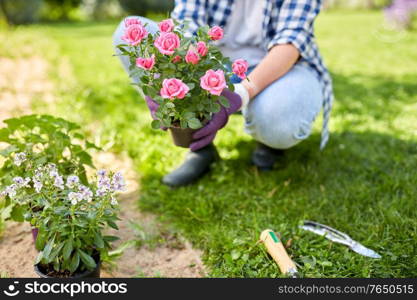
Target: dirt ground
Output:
[{"x": 20, "y": 85}]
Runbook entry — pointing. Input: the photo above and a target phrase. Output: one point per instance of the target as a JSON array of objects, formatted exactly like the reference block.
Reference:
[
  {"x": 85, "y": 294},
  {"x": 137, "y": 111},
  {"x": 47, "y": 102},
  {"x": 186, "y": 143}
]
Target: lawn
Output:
[{"x": 364, "y": 183}]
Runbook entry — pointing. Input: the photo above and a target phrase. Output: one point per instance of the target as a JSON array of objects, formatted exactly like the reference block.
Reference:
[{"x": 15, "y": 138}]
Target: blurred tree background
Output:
[
  {"x": 24, "y": 12},
  {"x": 17, "y": 12}
]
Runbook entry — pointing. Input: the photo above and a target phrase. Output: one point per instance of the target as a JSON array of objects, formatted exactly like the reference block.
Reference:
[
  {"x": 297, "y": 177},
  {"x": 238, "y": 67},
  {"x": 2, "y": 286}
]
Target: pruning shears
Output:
[{"x": 339, "y": 237}]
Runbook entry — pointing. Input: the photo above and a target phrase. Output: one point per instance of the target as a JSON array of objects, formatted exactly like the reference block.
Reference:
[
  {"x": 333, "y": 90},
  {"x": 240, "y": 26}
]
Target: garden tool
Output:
[
  {"x": 339, "y": 237},
  {"x": 277, "y": 251}
]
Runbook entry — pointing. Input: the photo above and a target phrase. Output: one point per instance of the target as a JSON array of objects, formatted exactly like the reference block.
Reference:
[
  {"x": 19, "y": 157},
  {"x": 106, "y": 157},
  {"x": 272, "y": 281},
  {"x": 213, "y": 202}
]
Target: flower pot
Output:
[
  {"x": 43, "y": 273},
  {"x": 182, "y": 137},
  {"x": 35, "y": 232}
]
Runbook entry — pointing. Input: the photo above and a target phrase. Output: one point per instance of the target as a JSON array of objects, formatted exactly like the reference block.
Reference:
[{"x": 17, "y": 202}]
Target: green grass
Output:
[{"x": 364, "y": 183}]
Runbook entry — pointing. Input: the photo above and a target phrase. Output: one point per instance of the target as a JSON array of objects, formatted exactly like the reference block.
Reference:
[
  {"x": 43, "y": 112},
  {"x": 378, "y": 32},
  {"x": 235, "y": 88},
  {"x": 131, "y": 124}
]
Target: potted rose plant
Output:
[
  {"x": 72, "y": 219},
  {"x": 182, "y": 76}
]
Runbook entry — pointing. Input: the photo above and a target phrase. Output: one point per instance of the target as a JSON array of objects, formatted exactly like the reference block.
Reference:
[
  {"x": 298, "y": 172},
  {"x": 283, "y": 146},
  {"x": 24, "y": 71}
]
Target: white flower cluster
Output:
[
  {"x": 19, "y": 158},
  {"x": 48, "y": 175},
  {"x": 82, "y": 192},
  {"x": 107, "y": 185}
]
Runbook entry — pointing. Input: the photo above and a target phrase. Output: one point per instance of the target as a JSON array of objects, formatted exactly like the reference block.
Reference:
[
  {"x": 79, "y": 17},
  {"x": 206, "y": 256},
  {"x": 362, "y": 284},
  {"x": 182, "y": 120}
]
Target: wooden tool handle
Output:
[{"x": 277, "y": 251}]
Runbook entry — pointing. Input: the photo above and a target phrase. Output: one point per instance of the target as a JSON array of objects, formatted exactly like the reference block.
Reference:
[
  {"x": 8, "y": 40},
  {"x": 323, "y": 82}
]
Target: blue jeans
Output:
[{"x": 283, "y": 114}]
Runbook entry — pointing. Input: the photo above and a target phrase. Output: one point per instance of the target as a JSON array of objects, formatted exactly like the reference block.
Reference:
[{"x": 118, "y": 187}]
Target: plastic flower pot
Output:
[
  {"x": 44, "y": 273},
  {"x": 182, "y": 137},
  {"x": 35, "y": 232}
]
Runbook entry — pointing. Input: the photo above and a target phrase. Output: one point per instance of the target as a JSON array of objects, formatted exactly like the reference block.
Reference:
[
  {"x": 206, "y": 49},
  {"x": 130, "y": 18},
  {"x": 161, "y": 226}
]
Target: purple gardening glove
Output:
[
  {"x": 153, "y": 107},
  {"x": 206, "y": 135}
]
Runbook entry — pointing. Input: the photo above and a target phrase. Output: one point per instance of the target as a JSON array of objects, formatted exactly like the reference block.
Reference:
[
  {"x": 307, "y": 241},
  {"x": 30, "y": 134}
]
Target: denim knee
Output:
[
  {"x": 279, "y": 133},
  {"x": 283, "y": 114}
]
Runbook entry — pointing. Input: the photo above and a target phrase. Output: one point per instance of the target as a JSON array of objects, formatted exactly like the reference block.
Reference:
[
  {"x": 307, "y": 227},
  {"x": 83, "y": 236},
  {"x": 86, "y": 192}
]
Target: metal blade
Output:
[
  {"x": 328, "y": 235},
  {"x": 361, "y": 249}
]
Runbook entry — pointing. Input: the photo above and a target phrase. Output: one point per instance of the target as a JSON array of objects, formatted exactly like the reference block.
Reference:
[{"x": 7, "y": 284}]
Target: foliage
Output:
[
  {"x": 363, "y": 183},
  {"x": 101, "y": 9},
  {"x": 60, "y": 9},
  {"x": 39, "y": 139},
  {"x": 21, "y": 11},
  {"x": 70, "y": 216},
  {"x": 142, "y": 7},
  {"x": 198, "y": 104},
  {"x": 44, "y": 139}
]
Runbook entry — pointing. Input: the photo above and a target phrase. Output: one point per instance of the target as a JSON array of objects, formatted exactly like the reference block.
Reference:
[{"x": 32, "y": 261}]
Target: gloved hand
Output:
[
  {"x": 153, "y": 107},
  {"x": 206, "y": 135}
]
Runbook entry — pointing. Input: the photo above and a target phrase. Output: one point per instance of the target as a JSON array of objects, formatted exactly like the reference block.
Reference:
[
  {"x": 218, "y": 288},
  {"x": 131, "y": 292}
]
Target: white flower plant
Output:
[{"x": 69, "y": 215}]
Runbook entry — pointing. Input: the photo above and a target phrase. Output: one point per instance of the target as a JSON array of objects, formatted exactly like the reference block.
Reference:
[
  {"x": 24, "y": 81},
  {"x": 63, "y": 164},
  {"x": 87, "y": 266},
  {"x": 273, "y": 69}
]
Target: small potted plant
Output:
[
  {"x": 70, "y": 239},
  {"x": 183, "y": 75}
]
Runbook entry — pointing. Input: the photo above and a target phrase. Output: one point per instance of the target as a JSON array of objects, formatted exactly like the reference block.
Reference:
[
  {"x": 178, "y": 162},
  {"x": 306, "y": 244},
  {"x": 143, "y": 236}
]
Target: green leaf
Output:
[
  {"x": 39, "y": 258},
  {"x": 98, "y": 241},
  {"x": 158, "y": 99},
  {"x": 215, "y": 108},
  {"x": 188, "y": 115},
  {"x": 156, "y": 124},
  {"x": 170, "y": 105},
  {"x": 85, "y": 158},
  {"x": 47, "y": 250},
  {"x": 75, "y": 262},
  {"x": 224, "y": 101},
  {"x": 67, "y": 249},
  {"x": 194, "y": 123},
  {"x": 6, "y": 152},
  {"x": 119, "y": 251},
  {"x": 183, "y": 123},
  {"x": 17, "y": 213},
  {"x": 112, "y": 224},
  {"x": 166, "y": 122},
  {"x": 87, "y": 260},
  {"x": 4, "y": 135},
  {"x": 40, "y": 240},
  {"x": 5, "y": 212},
  {"x": 56, "y": 251},
  {"x": 110, "y": 238}
]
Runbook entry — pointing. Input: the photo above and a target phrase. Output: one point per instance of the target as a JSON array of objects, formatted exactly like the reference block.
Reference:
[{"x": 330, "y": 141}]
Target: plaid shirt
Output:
[{"x": 285, "y": 21}]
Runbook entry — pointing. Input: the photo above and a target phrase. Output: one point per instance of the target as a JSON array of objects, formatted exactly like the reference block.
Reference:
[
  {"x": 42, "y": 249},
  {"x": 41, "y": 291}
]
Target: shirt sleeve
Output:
[
  {"x": 295, "y": 25},
  {"x": 193, "y": 11}
]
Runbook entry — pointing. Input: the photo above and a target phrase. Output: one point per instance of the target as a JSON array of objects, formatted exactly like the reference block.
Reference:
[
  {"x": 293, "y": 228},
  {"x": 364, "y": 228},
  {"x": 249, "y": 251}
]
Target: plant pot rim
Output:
[{"x": 84, "y": 274}]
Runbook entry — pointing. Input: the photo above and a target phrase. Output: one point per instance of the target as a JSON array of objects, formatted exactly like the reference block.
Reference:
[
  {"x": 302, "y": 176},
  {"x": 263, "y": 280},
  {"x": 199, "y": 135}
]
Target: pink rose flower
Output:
[
  {"x": 131, "y": 21},
  {"x": 146, "y": 63},
  {"x": 213, "y": 81},
  {"x": 176, "y": 59},
  {"x": 134, "y": 34},
  {"x": 167, "y": 42},
  {"x": 215, "y": 33},
  {"x": 191, "y": 57},
  {"x": 166, "y": 25},
  {"x": 240, "y": 67},
  {"x": 202, "y": 48},
  {"x": 173, "y": 88}
]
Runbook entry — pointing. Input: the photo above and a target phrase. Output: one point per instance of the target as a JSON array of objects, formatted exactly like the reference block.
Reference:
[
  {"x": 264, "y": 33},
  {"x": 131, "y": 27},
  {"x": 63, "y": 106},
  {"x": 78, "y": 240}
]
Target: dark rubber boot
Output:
[
  {"x": 264, "y": 157},
  {"x": 195, "y": 166}
]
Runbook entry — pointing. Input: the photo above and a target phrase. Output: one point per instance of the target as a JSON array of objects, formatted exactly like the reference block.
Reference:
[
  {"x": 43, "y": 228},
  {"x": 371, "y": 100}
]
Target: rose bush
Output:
[{"x": 184, "y": 75}]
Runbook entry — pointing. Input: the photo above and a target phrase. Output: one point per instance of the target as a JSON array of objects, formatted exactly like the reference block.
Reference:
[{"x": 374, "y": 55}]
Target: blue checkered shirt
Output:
[{"x": 285, "y": 21}]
